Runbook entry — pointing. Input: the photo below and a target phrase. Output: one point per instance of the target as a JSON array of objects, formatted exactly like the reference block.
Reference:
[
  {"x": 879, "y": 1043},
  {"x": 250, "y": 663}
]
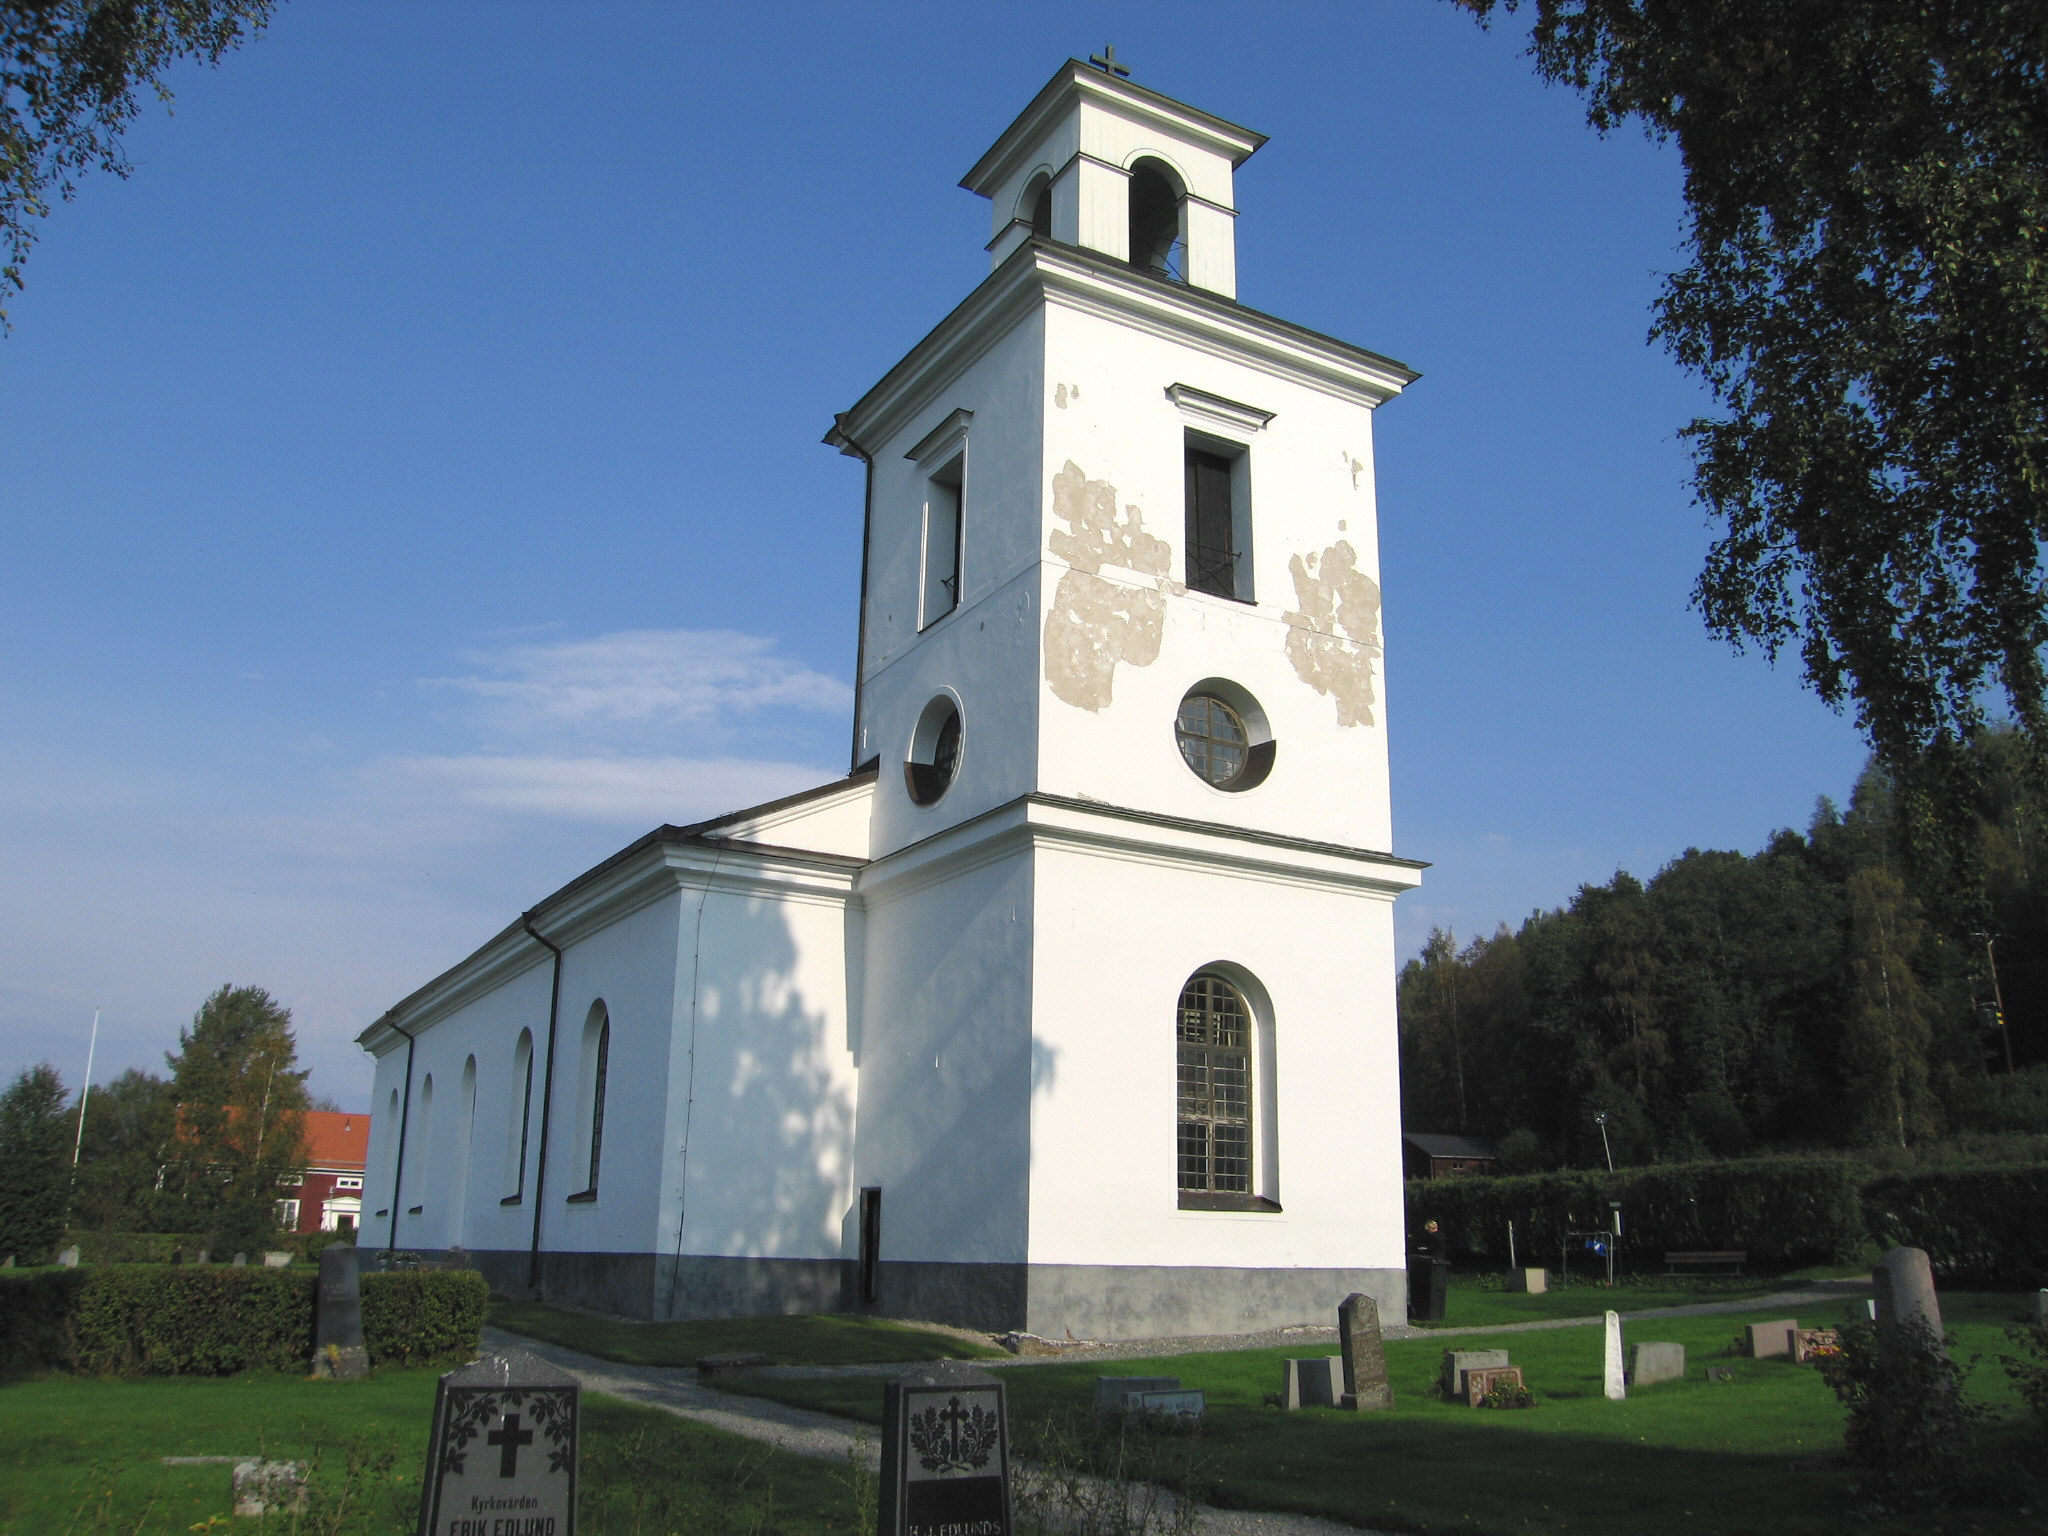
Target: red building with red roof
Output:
[{"x": 329, "y": 1194}]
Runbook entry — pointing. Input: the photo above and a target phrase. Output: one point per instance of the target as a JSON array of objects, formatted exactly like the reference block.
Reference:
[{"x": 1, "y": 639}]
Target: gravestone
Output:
[
  {"x": 69, "y": 1258},
  {"x": 1429, "y": 1280},
  {"x": 2040, "y": 1303},
  {"x": 8, "y": 1263},
  {"x": 1768, "y": 1341},
  {"x": 1458, "y": 1361},
  {"x": 269, "y": 1487},
  {"x": 1485, "y": 1380},
  {"x": 1656, "y": 1362},
  {"x": 277, "y": 1261},
  {"x": 240, "y": 1261},
  {"x": 1528, "y": 1282},
  {"x": 502, "y": 1456},
  {"x": 1110, "y": 1391},
  {"x": 177, "y": 1255},
  {"x": 338, "y": 1316},
  {"x": 1613, "y": 1382},
  {"x": 1720, "y": 1373},
  {"x": 1365, "y": 1356},
  {"x": 1313, "y": 1383},
  {"x": 205, "y": 1256},
  {"x": 945, "y": 1453},
  {"x": 1178, "y": 1406},
  {"x": 1904, "y": 1282}
]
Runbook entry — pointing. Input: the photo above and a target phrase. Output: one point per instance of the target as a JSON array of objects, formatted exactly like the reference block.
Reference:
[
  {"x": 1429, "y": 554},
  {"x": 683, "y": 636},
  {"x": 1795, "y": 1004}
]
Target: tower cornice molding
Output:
[
  {"x": 1074, "y": 82},
  {"x": 1043, "y": 272}
]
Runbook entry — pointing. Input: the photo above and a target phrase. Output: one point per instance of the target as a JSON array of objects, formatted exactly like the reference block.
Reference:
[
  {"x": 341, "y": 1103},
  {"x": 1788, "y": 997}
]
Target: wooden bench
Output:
[{"x": 1712, "y": 1258}]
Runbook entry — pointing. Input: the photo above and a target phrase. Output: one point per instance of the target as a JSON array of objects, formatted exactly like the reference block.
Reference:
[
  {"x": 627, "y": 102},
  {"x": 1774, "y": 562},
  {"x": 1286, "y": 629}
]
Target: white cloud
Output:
[
  {"x": 643, "y": 677},
  {"x": 646, "y": 790}
]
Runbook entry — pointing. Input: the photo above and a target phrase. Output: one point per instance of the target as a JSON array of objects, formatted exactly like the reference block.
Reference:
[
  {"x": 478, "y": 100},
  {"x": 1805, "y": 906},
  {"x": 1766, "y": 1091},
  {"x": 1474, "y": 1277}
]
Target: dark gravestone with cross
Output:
[
  {"x": 945, "y": 1453},
  {"x": 502, "y": 1459},
  {"x": 338, "y": 1316}
]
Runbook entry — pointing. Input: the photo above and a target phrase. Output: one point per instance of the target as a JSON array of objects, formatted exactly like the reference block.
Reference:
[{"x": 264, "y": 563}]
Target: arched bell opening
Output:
[{"x": 1158, "y": 220}]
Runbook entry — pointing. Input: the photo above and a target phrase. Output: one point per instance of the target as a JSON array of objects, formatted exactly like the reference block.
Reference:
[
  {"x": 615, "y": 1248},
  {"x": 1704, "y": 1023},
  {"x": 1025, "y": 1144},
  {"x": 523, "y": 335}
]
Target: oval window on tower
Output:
[
  {"x": 934, "y": 751},
  {"x": 1223, "y": 736}
]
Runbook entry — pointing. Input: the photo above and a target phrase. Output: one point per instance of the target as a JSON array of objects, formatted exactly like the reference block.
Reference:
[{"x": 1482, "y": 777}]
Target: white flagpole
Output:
[{"x": 85, "y": 1093}]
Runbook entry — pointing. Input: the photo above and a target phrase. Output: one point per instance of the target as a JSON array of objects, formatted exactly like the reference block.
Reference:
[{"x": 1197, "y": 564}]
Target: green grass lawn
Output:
[
  {"x": 1758, "y": 1454},
  {"x": 79, "y": 1457},
  {"x": 1472, "y": 1302},
  {"x": 821, "y": 1339}
]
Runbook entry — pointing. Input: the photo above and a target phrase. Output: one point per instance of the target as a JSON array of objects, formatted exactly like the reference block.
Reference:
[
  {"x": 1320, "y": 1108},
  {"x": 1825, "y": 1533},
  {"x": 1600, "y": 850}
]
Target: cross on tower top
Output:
[{"x": 1106, "y": 61}]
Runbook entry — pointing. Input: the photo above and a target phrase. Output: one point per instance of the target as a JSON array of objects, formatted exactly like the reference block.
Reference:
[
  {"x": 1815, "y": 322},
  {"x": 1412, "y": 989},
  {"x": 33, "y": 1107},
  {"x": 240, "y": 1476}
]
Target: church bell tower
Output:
[{"x": 1125, "y": 1032}]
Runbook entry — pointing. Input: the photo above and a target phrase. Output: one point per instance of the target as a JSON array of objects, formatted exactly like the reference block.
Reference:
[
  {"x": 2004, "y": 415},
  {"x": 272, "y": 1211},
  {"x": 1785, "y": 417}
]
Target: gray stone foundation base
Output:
[
  {"x": 1129, "y": 1301},
  {"x": 1088, "y": 1301}
]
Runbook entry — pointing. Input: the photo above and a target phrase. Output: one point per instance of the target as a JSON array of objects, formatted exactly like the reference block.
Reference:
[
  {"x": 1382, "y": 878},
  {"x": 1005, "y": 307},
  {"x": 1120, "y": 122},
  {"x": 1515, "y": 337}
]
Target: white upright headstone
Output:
[
  {"x": 68, "y": 1258},
  {"x": 1611, "y": 1371}
]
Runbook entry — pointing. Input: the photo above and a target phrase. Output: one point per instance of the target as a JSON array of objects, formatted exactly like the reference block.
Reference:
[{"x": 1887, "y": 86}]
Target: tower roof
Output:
[{"x": 1075, "y": 83}]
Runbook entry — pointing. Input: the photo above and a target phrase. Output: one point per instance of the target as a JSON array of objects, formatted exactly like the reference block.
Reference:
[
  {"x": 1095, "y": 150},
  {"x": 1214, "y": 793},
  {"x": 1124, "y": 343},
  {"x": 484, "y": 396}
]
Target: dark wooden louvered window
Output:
[{"x": 1211, "y": 548}]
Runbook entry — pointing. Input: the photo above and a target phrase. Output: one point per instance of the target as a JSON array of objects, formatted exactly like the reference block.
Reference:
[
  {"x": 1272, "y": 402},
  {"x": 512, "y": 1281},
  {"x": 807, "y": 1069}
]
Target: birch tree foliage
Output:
[
  {"x": 71, "y": 75},
  {"x": 1866, "y": 193}
]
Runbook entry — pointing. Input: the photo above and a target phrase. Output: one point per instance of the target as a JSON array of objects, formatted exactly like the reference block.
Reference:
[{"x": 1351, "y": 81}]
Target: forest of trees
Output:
[
  {"x": 1833, "y": 990},
  {"x": 200, "y": 1152}
]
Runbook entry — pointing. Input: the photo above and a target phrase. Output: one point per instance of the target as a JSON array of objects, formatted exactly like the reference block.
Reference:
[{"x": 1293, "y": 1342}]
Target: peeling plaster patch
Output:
[
  {"x": 1354, "y": 466},
  {"x": 1333, "y": 641},
  {"x": 1065, "y": 392},
  {"x": 1095, "y": 622}
]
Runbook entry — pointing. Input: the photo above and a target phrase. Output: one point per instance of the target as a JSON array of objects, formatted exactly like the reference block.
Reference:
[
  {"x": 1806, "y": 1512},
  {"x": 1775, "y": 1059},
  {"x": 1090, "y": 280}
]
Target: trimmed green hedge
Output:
[
  {"x": 1980, "y": 1226},
  {"x": 1785, "y": 1211},
  {"x": 214, "y": 1321}
]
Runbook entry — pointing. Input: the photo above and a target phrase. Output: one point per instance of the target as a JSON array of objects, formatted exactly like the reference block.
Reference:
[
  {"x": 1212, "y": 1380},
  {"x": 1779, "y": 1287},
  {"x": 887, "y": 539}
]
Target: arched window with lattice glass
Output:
[{"x": 1215, "y": 1065}]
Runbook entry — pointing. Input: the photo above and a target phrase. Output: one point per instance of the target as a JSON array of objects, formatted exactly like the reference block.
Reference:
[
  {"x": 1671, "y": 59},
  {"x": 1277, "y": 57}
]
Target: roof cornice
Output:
[
  {"x": 1036, "y": 820},
  {"x": 1044, "y": 271},
  {"x": 1074, "y": 80},
  {"x": 666, "y": 860}
]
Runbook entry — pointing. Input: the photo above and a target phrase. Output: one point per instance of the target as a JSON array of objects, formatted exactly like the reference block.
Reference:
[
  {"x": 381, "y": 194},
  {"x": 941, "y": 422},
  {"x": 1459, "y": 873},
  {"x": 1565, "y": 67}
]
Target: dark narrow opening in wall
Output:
[
  {"x": 1157, "y": 243},
  {"x": 1041, "y": 213},
  {"x": 1212, "y": 519},
  {"x": 943, "y": 509},
  {"x": 868, "y": 1286}
]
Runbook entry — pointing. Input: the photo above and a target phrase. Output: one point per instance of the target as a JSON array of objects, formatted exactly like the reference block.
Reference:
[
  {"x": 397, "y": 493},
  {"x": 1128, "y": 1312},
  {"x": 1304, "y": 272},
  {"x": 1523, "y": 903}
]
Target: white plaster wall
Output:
[
  {"x": 1117, "y": 938},
  {"x": 487, "y": 1027},
  {"x": 1311, "y": 488},
  {"x": 631, "y": 964},
  {"x": 760, "y": 1084},
  {"x": 838, "y": 821},
  {"x": 946, "y": 1063},
  {"x": 984, "y": 649}
]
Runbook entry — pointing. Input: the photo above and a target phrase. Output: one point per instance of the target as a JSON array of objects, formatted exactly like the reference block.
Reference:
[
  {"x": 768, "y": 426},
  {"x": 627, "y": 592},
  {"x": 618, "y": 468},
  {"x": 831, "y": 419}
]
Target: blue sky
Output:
[{"x": 410, "y": 487}]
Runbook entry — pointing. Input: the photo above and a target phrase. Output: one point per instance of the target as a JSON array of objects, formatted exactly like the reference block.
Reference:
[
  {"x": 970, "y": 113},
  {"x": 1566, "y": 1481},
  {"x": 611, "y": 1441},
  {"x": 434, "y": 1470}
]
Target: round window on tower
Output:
[
  {"x": 934, "y": 751},
  {"x": 1223, "y": 736}
]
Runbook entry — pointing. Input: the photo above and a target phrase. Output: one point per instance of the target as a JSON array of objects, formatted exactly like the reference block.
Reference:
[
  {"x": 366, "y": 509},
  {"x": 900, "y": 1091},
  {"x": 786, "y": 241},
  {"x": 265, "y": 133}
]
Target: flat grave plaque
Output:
[
  {"x": 945, "y": 1454},
  {"x": 1484, "y": 1379},
  {"x": 502, "y": 1459}
]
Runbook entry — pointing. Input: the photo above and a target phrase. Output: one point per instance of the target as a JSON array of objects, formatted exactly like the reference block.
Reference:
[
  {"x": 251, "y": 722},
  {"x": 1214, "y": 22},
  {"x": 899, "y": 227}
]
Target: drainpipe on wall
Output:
[
  {"x": 547, "y": 1102},
  {"x": 837, "y": 438},
  {"x": 398, "y": 1163}
]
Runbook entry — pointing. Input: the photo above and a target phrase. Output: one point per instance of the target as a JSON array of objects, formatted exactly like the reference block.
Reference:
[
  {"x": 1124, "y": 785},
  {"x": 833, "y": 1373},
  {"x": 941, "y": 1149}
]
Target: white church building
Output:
[{"x": 1070, "y": 1009}]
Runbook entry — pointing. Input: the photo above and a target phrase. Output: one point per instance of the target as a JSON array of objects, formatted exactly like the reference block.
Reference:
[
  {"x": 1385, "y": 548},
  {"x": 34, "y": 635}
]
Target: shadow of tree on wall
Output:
[{"x": 770, "y": 1142}]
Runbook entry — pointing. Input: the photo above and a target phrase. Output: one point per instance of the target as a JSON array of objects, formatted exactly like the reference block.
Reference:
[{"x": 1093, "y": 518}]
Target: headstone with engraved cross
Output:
[
  {"x": 945, "y": 1454},
  {"x": 502, "y": 1457}
]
